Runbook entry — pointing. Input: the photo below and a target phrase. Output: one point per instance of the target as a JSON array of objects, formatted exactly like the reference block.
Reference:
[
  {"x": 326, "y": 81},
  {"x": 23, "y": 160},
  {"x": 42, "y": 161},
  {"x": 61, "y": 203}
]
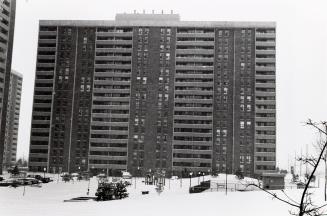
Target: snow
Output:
[{"x": 174, "y": 200}]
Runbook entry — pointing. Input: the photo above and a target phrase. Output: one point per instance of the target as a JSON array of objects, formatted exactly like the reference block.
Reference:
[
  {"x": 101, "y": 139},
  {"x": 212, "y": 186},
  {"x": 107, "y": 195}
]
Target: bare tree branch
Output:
[
  {"x": 306, "y": 206},
  {"x": 275, "y": 196}
]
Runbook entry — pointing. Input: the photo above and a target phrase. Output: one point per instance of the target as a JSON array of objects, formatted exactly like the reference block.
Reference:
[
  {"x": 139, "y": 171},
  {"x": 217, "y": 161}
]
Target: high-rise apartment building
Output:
[
  {"x": 7, "y": 25},
  {"x": 12, "y": 119},
  {"x": 148, "y": 91}
]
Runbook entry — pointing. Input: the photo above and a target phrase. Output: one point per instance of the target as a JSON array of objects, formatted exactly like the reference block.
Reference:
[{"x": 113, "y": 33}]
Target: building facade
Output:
[
  {"x": 12, "y": 119},
  {"x": 7, "y": 25},
  {"x": 150, "y": 92}
]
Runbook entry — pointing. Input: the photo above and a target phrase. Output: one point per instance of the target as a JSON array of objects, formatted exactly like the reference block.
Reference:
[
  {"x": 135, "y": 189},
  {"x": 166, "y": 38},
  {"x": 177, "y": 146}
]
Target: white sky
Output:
[{"x": 301, "y": 52}]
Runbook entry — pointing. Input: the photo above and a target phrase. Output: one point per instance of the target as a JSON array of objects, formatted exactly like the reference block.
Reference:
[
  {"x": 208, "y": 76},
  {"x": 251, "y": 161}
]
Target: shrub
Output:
[
  {"x": 239, "y": 174},
  {"x": 110, "y": 191}
]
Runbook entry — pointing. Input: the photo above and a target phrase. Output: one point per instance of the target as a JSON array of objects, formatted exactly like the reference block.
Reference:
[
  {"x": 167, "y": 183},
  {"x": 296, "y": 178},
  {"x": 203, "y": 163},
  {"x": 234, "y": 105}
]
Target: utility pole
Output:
[
  {"x": 226, "y": 181},
  {"x": 326, "y": 166},
  {"x": 295, "y": 163},
  {"x": 301, "y": 165},
  {"x": 306, "y": 164}
]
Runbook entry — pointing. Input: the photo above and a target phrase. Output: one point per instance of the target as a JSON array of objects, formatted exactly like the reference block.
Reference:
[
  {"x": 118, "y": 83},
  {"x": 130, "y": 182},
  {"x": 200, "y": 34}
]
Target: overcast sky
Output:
[{"x": 301, "y": 52}]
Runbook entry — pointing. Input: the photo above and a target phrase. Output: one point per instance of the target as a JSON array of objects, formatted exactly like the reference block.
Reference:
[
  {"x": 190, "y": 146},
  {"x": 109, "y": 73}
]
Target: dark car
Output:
[
  {"x": 38, "y": 177},
  {"x": 9, "y": 182},
  {"x": 42, "y": 179},
  {"x": 28, "y": 181},
  {"x": 46, "y": 180}
]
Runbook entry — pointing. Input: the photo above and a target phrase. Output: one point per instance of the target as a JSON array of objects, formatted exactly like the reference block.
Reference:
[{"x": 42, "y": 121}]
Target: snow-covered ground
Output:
[{"x": 174, "y": 200}]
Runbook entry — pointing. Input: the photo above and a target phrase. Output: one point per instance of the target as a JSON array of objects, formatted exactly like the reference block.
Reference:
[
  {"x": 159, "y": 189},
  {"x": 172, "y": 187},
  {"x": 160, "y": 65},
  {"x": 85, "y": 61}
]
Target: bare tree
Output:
[
  {"x": 305, "y": 206},
  {"x": 319, "y": 146}
]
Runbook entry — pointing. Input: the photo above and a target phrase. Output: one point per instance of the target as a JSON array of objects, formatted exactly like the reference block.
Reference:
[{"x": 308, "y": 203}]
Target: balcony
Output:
[
  {"x": 193, "y": 92},
  {"x": 107, "y": 157},
  {"x": 265, "y": 77},
  {"x": 199, "y": 126},
  {"x": 265, "y": 136},
  {"x": 107, "y": 140},
  {"x": 115, "y": 42},
  {"x": 191, "y": 100},
  {"x": 195, "y": 43},
  {"x": 266, "y": 52},
  {"x": 265, "y": 35},
  {"x": 111, "y": 74},
  {"x": 194, "y": 51},
  {"x": 115, "y": 58},
  {"x": 192, "y": 160},
  {"x": 111, "y": 132},
  {"x": 195, "y": 35},
  {"x": 102, "y": 123},
  {"x": 265, "y": 68},
  {"x": 265, "y": 43},
  {"x": 265, "y": 85},
  {"x": 267, "y": 128},
  {"x": 192, "y": 151},
  {"x": 192, "y": 117},
  {"x": 267, "y": 163},
  {"x": 265, "y": 102},
  {"x": 113, "y": 66},
  {"x": 264, "y": 93},
  {"x": 194, "y": 59},
  {"x": 115, "y": 34},
  {"x": 265, "y": 60},
  {"x": 108, "y": 149},
  {"x": 105, "y": 115},
  {"x": 197, "y": 84},
  {"x": 192, "y": 134},
  {"x": 194, "y": 67},
  {"x": 109, "y": 107},
  {"x": 108, "y": 166},
  {"x": 49, "y": 41},
  {"x": 115, "y": 50},
  {"x": 197, "y": 109}
]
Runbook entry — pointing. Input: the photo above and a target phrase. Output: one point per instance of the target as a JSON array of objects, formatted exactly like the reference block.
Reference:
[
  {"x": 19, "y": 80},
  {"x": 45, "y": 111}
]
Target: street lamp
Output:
[
  {"x": 191, "y": 173},
  {"x": 79, "y": 173},
  {"x": 203, "y": 176},
  {"x": 199, "y": 174},
  {"x": 138, "y": 168},
  {"x": 44, "y": 169},
  {"x": 226, "y": 181}
]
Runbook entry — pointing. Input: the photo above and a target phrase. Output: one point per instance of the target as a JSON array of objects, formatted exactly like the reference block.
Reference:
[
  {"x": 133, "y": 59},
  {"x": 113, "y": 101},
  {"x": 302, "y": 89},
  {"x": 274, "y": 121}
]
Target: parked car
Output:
[
  {"x": 40, "y": 178},
  {"x": 126, "y": 175},
  {"x": 1, "y": 178},
  {"x": 28, "y": 181},
  {"x": 174, "y": 177},
  {"x": 9, "y": 182}
]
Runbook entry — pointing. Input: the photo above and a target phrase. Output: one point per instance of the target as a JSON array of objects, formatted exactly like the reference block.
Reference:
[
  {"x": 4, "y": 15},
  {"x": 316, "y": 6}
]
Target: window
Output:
[
  {"x": 242, "y": 99},
  {"x": 242, "y": 124}
]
